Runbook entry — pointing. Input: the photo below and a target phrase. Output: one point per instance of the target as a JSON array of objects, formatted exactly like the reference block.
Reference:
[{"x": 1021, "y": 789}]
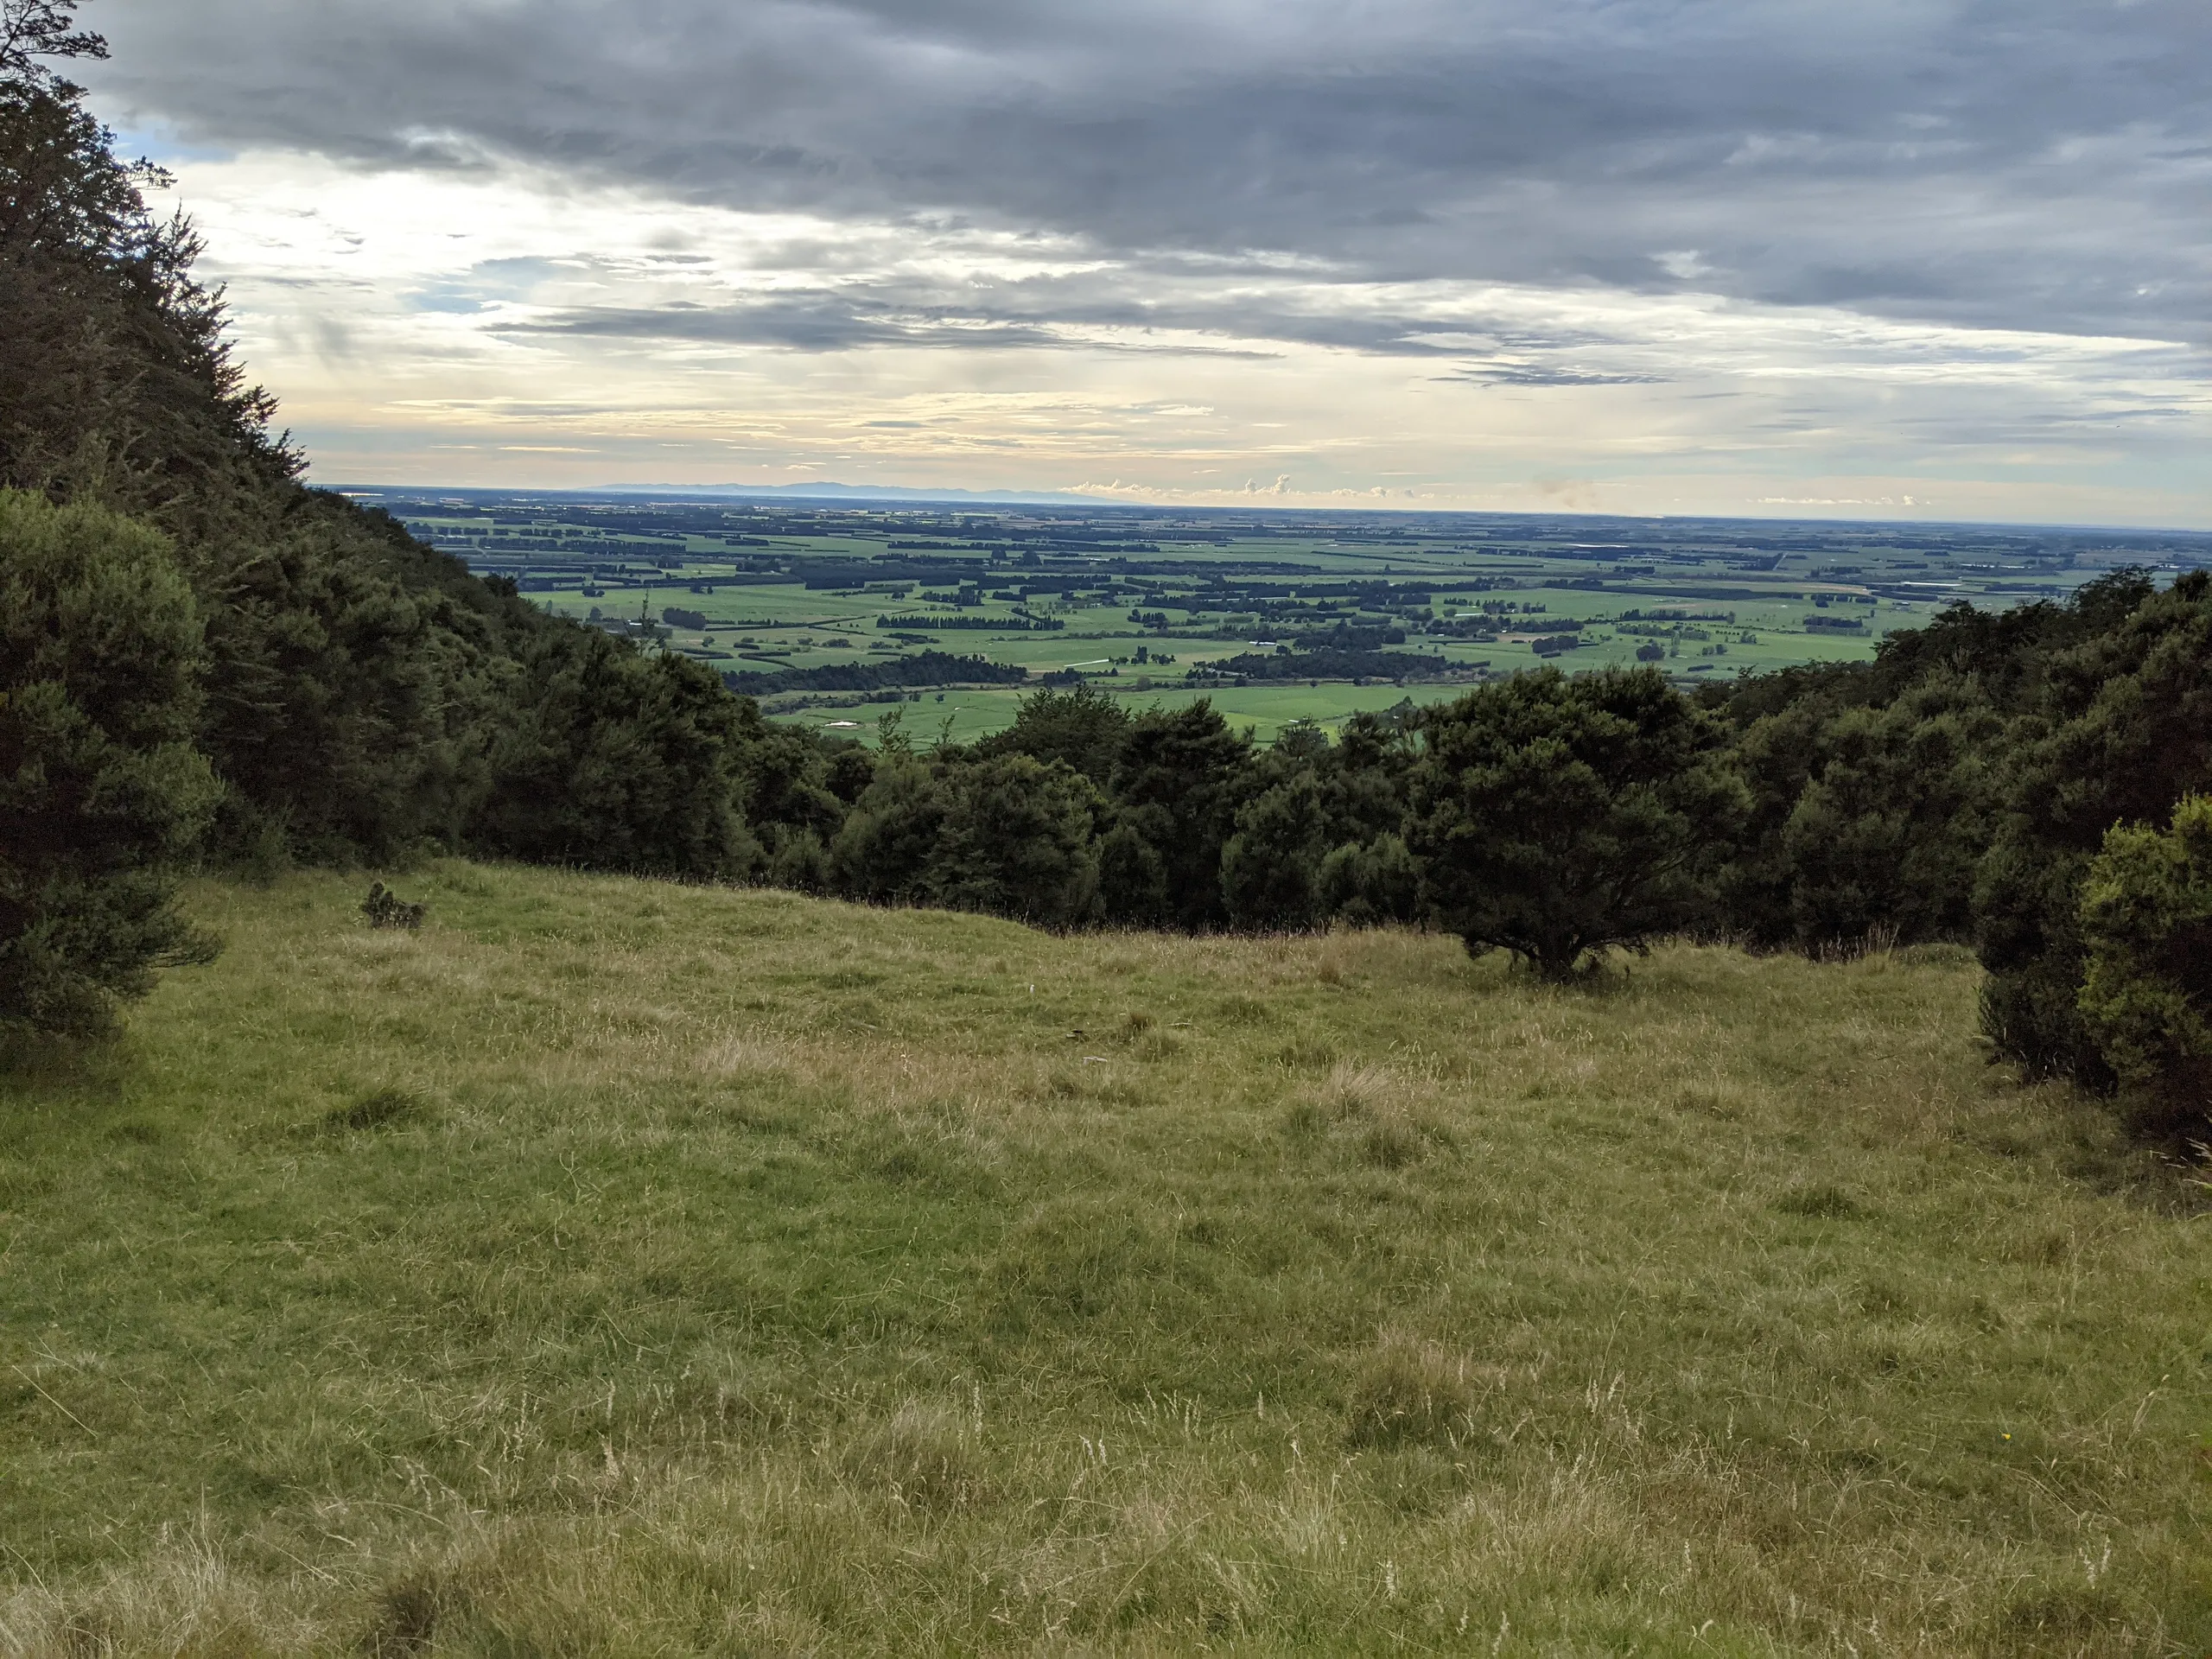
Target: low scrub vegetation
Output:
[{"x": 611, "y": 1265}]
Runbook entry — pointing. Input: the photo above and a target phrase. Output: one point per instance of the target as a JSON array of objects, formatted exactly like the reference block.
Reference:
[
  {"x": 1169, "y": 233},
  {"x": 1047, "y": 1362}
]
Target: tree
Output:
[
  {"x": 1083, "y": 728},
  {"x": 1559, "y": 818},
  {"x": 1885, "y": 838},
  {"x": 615, "y": 760},
  {"x": 1271, "y": 867},
  {"x": 882, "y": 851},
  {"x": 101, "y": 790},
  {"x": 31, "y": 30},
  {"x": 2146, "y": 994},
  {"x": 1376, "y": 882},
  {"x": 115, "y": 379},
  {"x": 1178, "y": 781},
  {"x": 2122, "y": 731},
  {"x": 1017, "y": 841},
  {"x": 1132, "y": 879}
]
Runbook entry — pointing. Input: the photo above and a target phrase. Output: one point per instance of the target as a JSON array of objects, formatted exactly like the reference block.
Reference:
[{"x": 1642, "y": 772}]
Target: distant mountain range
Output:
[{"x": 829, "y": 491}]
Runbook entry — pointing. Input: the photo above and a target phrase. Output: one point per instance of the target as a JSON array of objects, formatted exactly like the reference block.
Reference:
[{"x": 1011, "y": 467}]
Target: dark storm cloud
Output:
[{"x": 2016, "y": 164}]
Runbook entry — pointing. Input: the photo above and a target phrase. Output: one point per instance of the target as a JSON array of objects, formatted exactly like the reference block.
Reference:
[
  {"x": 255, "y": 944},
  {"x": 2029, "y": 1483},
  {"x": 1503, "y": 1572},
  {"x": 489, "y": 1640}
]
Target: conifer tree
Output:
[{"x": 101, "y": 790}]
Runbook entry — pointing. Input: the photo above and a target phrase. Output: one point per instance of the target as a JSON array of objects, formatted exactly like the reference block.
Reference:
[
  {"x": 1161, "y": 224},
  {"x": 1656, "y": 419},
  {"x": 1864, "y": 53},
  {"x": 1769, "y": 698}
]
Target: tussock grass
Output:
[{"x": 611, "y": 1267}]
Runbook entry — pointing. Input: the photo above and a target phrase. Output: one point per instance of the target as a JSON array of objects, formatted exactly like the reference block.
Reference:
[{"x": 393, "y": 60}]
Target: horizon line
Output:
[{"x": 832, "y": 492}]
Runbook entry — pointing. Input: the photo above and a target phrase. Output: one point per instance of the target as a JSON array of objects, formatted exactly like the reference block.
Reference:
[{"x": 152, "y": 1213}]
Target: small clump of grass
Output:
[
  {"x": 1306, "y": 1054},
  {"x": 1408, "y": 1392},
  {"x": 380, "y": 1108},
  {"x": 1391, "y": 1143},
  {"x": 405, "y": 1621},
  {"x": 923, "y": 1458},
  {"x": 1819, "y": 1201}
]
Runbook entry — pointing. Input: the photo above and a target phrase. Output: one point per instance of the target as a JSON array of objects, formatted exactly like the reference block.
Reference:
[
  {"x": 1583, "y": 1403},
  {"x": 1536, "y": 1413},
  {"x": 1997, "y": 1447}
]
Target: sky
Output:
[{"x": 1944, "y": 259}]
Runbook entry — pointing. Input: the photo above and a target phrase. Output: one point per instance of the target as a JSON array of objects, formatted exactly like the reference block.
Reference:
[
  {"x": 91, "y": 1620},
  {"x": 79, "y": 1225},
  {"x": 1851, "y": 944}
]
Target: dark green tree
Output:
[
  {"x": 2146, "y": 991},
  {"x": 1179, "y": 780},
  {"x": 1366, "y": 883},
  {"x": 1132, "y": 879},
  {"x": 2122, "y": 731},
  {"x": 1271, "y": 866},
  {"x": 883, "y": 851},
  {"x": 116, "y": 381},
  {"x": 102, "y": 792},
  {"x": 1017, "y": 840},
  {"x": 1885, "y": 839},
  {"x": 616, "y": 761},
  {"x": 1081, "y": 727},
  {"x": 1559, "y": 818}
]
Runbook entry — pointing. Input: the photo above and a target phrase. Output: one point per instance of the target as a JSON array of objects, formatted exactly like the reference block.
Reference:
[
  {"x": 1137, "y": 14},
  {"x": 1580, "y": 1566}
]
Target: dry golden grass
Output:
[{"x": 619, "y": 1268}]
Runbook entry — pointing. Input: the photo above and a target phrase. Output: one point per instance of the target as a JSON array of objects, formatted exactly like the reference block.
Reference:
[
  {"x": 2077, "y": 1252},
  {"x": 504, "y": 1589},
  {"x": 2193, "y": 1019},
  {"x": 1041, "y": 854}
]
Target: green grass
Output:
[{"x": 619, "y": 1268}]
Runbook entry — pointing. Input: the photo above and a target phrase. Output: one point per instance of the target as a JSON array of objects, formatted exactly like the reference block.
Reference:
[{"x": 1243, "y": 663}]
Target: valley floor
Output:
[{"x": 620, "y": 1267}]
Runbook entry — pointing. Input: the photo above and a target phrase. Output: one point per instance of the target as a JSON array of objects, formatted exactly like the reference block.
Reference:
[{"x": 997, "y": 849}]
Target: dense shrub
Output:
[
  {"x": 1363, "y": 884},
  {"x": 1559, "y": 817},
  {"x": 619, "y": 761},
  {"x": 101, "y": 790},
  {"x": 1883, "y": 841},
  {"x": 1017, "y": 840},
  {"x": 2146, "y": 992},
  {"x": 1179, "y": 780},
  {"x": 1083, "y": 728},
  {"x": 882, "y": 852},
  {"x": 2122, "y": 731},
  {"x": 1271, "y": 866}
]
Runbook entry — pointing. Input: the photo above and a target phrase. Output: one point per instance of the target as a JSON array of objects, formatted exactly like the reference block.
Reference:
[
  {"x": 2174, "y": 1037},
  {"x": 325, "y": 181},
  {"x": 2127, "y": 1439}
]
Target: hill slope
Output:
[{"x": 617, "y": 1267}]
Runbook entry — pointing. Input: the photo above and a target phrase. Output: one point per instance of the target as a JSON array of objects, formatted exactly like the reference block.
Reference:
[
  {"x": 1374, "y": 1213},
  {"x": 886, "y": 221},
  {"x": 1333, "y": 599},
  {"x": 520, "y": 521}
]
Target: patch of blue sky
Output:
[
  {"x": 486, "y": 283},
  {"x": 161, "y": 146},
  {"x": 453, "y": 299}
]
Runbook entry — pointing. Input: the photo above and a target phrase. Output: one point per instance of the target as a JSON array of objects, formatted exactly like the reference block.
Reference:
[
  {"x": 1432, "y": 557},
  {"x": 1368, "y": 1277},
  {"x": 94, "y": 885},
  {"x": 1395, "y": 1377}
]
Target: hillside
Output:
[{"x": 616, "y": 1267}]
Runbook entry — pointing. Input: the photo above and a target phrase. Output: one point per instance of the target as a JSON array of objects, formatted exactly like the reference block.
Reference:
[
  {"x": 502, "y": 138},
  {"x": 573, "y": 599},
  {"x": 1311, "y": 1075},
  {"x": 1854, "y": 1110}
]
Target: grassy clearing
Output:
[{"x": 620, "y": 1267}]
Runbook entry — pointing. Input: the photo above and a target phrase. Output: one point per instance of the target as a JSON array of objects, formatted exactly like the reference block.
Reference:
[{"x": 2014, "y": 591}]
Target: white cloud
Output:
[{"x": 548, "y": 329}]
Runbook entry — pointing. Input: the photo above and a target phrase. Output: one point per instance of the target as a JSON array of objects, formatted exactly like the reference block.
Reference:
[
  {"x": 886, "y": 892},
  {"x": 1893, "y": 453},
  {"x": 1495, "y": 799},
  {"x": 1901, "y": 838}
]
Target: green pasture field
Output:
[
  {"x": 1764, "y": 588},
  {"x": 795, "y": 624},
  {"x": 620, "y": 1267},
  {"x": 1266, "y": 709}
]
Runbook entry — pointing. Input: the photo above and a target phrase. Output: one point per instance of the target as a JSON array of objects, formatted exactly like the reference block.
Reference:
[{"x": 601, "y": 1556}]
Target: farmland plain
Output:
[{"x": 792, "y": 600}]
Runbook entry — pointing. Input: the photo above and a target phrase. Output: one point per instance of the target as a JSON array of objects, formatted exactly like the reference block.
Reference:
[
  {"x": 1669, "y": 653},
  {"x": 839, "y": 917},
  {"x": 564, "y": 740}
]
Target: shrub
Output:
[
  {"x": 1179, "y": 780},
  {"x": 1270, "y": 868},
  {"x": 1376, "y": 882},
  {"x": 882, "y": 852},
  {"x": 101, "y": 790},
  {"x": 1560, "y": 816},
  {"x": 1884, "y": 842},
  {"x": 1016, "y": 841},
  {"x": 2123, "y": 733},
  {"x": 2146, "y": 996},
  {"x": 385, "y": 908},
  {"x": 616, "y": 761},
  {"x": 1081, "y": 727},
  {"x": 1132, "y": 879}
]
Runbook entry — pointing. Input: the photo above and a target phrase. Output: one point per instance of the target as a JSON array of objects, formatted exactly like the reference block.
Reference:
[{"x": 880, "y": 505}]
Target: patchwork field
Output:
[
  {"x": 1153, "y": 603},
  {"x": 620, "y": 1267}
]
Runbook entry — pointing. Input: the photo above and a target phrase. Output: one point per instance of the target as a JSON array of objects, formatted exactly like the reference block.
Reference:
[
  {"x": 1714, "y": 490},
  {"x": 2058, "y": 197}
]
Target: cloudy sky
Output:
[{"x": 1938, "y": 259}]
